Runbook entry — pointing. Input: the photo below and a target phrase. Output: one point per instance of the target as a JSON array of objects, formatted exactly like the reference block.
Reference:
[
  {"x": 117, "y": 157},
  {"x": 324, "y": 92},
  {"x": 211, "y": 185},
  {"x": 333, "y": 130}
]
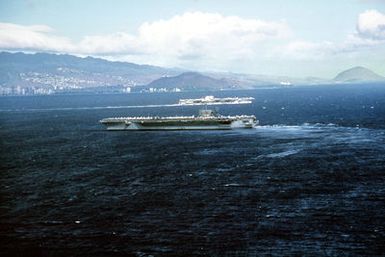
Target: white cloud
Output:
[
  {"x": 117, "y": 43},
  {"x": 36, "y": 37},
  {"x": 301, "y": 49},
  {"x": 199, "y": 40},
  {"x": 371, "y": 24},
  {"x": 369, "y": 33},
  {"x": 197, "y": 32},
  {"x": 184, "y": 38},
  {"x": 197, "y": 37}
]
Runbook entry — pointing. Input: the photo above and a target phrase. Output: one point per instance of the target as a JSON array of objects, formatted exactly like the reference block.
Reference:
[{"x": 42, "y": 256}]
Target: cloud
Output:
[
  {"x": 191, "y": 40},
  {"x": 198, "y": 36},
  {"x": 192, "y": 32},
  {"x": 371, "y": 25},
  {"x": 36, "y": 37},
  {"x": 113, "y": 44},
  {"x": 369, "y": 33},
  {"x": 201, "y": 40},
  {"x": 183, "y": 38},
  {"x": 302, "y": 49}
]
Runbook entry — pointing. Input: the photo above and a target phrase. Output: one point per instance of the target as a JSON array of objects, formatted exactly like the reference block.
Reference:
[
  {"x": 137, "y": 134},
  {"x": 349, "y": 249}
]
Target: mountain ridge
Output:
[{"x": 46, "y": 73}]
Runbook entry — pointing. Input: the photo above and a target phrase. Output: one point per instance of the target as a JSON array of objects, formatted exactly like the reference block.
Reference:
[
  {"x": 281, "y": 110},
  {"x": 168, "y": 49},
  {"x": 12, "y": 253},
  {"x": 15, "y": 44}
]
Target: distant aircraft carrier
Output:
[
  {"x": 207, "y": 120},
  {"x": 211, "y": 100}
]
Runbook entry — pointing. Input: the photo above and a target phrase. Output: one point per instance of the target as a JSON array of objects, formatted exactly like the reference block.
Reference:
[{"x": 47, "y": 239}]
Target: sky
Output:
[{"x": 298, "y": 38}]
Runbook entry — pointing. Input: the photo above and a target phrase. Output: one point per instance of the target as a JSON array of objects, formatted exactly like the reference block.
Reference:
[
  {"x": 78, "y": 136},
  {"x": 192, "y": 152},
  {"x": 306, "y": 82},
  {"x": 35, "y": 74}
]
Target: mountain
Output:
[
  {"x": 44, "y": 73},
  {"x": 358, "y": 74},
  {"x": 191, "y": 81},
  {"x": 61, "y": 72}
]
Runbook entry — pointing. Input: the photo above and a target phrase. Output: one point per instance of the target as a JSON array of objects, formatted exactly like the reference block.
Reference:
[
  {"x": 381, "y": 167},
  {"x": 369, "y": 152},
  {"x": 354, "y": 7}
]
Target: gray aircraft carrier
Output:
[{"x": 207, "y": 120}]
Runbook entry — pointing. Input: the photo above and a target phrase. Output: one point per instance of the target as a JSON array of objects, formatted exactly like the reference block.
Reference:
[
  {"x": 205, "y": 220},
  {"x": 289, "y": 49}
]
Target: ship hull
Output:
[
  {"x": 169, "y": 128},
  {"x": 194, "y": 124}
]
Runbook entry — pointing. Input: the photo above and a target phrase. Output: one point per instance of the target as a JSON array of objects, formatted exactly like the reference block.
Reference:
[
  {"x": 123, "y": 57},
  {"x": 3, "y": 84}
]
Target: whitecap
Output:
[{"x": 282, "y": 154}]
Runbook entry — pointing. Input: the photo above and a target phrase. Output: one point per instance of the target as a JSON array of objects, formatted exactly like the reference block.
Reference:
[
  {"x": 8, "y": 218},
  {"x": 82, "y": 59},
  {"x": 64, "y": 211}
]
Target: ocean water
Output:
[{"x": 309, "y": 181}]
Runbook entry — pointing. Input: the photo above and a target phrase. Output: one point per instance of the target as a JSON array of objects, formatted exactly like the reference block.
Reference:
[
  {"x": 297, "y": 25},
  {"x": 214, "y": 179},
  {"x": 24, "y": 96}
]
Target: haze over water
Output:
[{"x": 308, "y": 181}]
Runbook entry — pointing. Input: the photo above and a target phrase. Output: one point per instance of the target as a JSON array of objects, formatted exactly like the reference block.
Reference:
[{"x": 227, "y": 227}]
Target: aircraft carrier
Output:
[
  {"x": 211, "y": 100},
  {"x": 206, "y": 120}
]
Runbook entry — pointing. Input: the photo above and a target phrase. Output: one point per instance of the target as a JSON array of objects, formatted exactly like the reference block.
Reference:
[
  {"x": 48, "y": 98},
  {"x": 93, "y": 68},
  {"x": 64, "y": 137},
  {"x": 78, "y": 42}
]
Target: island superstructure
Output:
[{"x": 206, "y": 120}]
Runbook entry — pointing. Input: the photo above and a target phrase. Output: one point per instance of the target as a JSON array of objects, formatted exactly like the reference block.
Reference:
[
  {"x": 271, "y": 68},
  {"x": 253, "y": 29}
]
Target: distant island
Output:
[
  {"x": 44, "y": 73},
  {"x": 358, "y": 74}
]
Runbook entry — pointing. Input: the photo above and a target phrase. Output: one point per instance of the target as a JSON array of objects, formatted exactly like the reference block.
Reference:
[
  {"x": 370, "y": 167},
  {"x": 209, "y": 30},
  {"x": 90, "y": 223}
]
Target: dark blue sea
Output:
[{"x": 309, "y": 181}]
